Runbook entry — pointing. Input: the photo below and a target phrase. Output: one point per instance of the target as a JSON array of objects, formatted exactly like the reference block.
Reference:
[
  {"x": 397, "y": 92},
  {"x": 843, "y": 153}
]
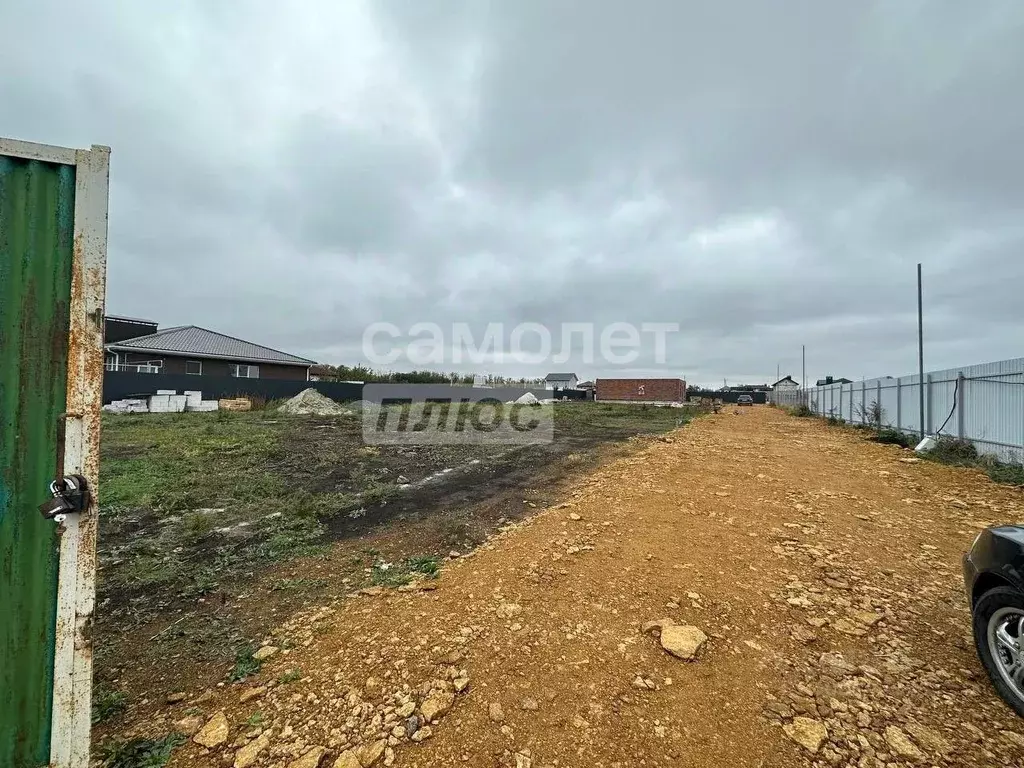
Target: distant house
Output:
[
  {"x": 830, "y": 380},
  {"x": 784, "y": 384},
  {"x": 189, "y": 349},
  {"x": 587, "y": 385},
  {"x": 641, "y": 391},
  {"x": 560, "y": 381}
]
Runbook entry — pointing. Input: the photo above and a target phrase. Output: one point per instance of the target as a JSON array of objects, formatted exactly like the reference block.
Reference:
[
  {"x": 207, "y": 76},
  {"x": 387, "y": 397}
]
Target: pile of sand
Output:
[
  {"x": 309, "y": 402},
  {"x": 526, "y": 399}
]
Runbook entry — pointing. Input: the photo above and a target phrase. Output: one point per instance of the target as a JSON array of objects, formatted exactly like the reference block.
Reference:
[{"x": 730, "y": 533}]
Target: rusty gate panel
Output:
[
  {"x": 53, "y": 239},
  {"x": 37, "y": 201}
]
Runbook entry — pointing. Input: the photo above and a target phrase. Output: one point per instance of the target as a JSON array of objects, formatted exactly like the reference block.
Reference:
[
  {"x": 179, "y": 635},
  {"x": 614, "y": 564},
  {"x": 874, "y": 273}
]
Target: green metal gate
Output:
[{"x": 53, "y": 205}]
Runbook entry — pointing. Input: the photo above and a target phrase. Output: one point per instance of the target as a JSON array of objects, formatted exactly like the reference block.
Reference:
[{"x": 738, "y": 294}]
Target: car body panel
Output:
[{"x": 995, "y": 559}]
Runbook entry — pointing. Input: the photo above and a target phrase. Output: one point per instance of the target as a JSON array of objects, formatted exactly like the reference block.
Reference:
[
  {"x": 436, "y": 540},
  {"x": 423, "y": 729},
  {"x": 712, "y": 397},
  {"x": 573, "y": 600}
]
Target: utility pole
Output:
[
  {"x": 920, "y": 348},
  {"x": 803, "y": 376},
  {"x": 778, "y": 368}
]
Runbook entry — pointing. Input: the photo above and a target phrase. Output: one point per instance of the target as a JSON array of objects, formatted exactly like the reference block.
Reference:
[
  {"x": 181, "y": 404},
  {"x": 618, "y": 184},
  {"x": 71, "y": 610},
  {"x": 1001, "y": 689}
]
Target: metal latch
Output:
[{"x": 70, "y": 493}]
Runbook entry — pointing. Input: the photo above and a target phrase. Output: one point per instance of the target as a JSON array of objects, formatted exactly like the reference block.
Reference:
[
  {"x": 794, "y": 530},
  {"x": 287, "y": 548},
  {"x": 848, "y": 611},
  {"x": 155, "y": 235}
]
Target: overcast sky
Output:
[{"x": 764, "y": 174}]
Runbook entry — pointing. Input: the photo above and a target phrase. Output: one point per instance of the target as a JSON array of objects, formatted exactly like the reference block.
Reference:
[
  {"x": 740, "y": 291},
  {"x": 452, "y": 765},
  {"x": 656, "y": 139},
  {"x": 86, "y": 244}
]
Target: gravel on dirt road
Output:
[{"x": 816, "y": 574}]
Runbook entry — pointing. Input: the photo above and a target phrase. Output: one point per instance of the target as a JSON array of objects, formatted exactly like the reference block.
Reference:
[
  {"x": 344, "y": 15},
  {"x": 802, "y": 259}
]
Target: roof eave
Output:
[{"x": 206, "y": 355}]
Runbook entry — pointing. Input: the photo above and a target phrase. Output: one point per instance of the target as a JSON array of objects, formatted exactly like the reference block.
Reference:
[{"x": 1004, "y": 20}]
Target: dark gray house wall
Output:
[{"x": 211, "y": 366}]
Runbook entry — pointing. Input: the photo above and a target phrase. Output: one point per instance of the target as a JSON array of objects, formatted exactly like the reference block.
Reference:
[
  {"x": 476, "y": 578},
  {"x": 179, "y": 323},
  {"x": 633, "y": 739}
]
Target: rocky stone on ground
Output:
[
  {"x": 437, "y": 706},
  {"x": 370, "y": 754},
  {"x": 250, "y": 753},
  {"x": 310, "y": 759},
  {"x": 902, "y": 745},
  {"x": 347, "y": 759},
  {"x": 809, "y": 734},
  {"x": 214, "y": 733},
  {"x": 188, "y": 726},
  {"x": 929, "y": 739},
  {"x": 682, "y": 641},
  {"x": 266, "y": 652},
  {"x": 251, "y": 693},
  {"x": 422, "y": 734}
]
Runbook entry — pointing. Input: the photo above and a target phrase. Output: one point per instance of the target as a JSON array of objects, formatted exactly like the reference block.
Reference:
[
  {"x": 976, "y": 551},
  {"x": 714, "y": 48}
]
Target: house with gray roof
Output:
[
  {"x": 189, "y": 349},
  {"x": 560, "y": 381}
]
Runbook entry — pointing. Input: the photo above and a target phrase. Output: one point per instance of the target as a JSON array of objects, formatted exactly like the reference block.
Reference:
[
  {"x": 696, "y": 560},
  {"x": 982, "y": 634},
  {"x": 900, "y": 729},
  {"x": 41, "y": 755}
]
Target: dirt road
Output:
[{"x": 823, "y": 568}]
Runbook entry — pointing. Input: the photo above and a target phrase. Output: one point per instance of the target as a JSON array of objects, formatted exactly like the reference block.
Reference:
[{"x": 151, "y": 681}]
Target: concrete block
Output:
[
  {"x": 167, "y": 391},
  {"x": 193, "y": 397},
  {"x": 204, "y": 406}
]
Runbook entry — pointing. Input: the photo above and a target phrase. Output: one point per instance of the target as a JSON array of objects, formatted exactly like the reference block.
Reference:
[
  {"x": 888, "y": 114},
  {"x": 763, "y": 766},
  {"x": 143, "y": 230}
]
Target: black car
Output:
[
  {"x": 994, "y": 577},
  {"x": 745, "y": 400}
]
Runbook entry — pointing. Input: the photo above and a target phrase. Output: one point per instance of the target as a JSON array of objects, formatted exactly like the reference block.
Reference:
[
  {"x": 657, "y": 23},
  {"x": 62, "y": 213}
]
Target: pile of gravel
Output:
[{"x": 309, "y": 402}]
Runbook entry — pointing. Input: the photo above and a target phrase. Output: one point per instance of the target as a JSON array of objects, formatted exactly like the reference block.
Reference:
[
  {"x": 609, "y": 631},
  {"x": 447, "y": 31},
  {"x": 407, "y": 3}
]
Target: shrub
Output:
[
  {"x": 246, "y": 664},
  {"x": 871, "y": 414},
  {"x": 891, "y": 436},
  {"x": 107, "y": 703},
  {"x": 427, "y": 565},
  {"x": 803, "y": 411},
  {"x": 951, "y": 450},
  {"x": 1011, "y": 473},
  {"x": 140, "y": 753}
]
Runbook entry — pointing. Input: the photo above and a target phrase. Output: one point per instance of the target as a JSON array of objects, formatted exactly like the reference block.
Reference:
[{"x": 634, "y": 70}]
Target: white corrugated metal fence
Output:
[{"x": 981, "y": 403}]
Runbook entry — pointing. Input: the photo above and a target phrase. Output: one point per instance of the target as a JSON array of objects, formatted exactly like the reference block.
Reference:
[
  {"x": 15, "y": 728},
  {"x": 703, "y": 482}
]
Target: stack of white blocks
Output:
[
  {"x": 131, "y": 405},
  {"x": 167, "y": 401},
  {"x": 164, "y": 401},
  {"x": 194, "y": 402}
]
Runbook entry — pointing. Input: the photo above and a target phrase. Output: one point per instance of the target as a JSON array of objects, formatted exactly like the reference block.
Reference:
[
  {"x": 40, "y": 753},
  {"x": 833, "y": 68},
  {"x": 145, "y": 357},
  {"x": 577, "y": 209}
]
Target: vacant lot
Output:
[
  {"x": 823, "y": 569},
  {"x": 215, "y": 527}
]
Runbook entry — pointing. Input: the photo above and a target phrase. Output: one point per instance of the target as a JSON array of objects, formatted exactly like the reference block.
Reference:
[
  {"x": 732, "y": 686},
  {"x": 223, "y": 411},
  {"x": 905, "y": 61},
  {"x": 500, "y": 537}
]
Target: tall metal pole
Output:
[
  {"x": 803, "y": 376},
  {"x": 920, "y": 348}
]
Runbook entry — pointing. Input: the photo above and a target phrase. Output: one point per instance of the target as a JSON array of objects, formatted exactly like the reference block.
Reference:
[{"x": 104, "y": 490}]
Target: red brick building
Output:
[{"x": 641, "y": 390}]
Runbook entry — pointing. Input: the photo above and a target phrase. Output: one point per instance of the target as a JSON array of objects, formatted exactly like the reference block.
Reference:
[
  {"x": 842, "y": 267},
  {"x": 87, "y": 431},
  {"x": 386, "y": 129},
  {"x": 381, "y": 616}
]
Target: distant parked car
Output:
[
  {"x": 745, "y": 400},
  {"x": 994, "y": 578}
]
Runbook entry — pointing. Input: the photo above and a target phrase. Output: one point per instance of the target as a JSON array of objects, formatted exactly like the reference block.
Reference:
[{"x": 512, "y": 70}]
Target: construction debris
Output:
[
  {"x": 527, "y": 399},
  {"x": 309, "y": 402},
  {"x": 235, "y": 404}
]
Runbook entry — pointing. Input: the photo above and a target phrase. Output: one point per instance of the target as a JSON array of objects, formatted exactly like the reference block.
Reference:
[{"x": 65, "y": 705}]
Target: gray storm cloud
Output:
[{"x": 765, "y": 179}]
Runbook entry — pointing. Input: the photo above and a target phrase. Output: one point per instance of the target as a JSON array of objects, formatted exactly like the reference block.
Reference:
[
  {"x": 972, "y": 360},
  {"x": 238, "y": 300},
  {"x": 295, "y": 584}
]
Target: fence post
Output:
[
  {"x": 863, "y": 402},
  {"x": 899, "y": 404},
  {"x": 928, "y": 406},
  {"x": 851, "y": 403},
  {"x": 960, "y": 399},
  {"x": 878, "y": 399}
]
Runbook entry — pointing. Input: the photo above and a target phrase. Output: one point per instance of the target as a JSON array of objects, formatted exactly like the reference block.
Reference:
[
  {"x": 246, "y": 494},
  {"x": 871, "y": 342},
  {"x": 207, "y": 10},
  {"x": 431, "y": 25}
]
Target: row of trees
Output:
[{"x": 362, "y": 373}]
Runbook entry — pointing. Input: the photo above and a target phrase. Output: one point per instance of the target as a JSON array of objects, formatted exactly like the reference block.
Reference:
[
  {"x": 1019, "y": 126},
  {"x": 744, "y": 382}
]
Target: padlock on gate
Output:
[{"x": 69, "y": 494}]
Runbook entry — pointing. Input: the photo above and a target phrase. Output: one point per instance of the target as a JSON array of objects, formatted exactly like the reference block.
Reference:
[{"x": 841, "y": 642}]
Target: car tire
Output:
[{"x": 988, "y": 605}]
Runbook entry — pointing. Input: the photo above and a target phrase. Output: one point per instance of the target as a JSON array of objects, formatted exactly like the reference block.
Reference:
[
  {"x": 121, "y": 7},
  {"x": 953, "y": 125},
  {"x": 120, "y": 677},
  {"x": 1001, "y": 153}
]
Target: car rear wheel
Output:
[{"x": 999, "y": 638}]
